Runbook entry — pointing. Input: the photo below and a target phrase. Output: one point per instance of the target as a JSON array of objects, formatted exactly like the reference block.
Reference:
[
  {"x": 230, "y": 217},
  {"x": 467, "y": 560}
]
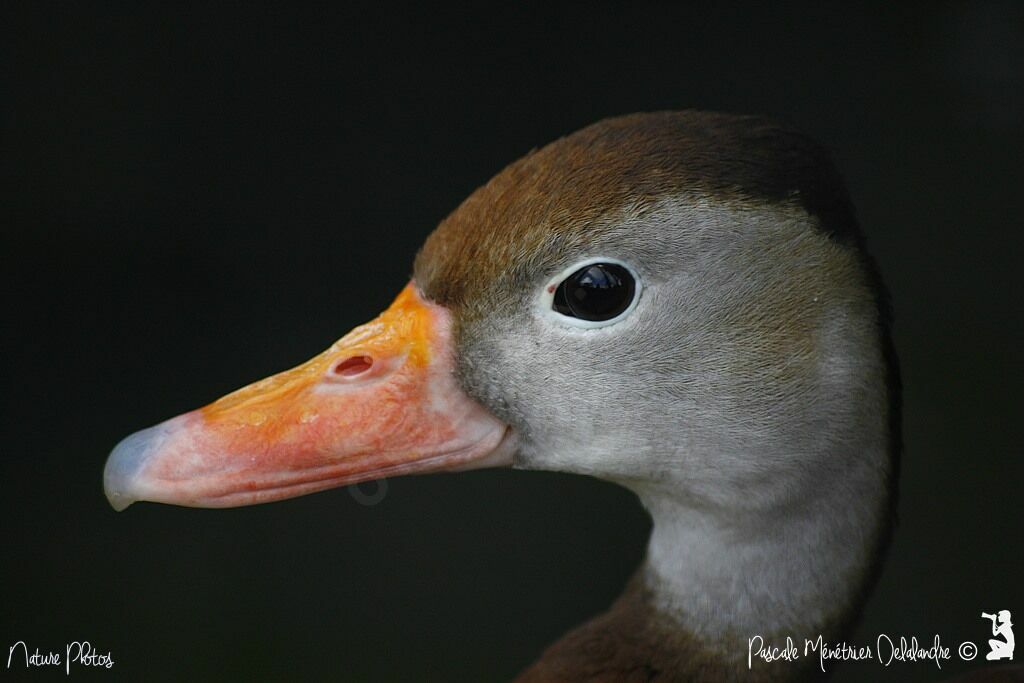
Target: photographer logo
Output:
[{"x": 1001, "y": 627}]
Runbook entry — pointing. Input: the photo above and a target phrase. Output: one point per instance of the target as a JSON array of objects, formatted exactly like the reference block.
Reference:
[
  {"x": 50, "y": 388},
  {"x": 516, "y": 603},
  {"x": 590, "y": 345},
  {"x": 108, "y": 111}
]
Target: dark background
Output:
[{"x": 193, "y": 199}]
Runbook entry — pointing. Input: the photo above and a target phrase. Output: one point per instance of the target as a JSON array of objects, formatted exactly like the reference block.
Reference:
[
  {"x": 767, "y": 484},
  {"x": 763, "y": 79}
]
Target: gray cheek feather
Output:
[{"x": 753, "y": 347}]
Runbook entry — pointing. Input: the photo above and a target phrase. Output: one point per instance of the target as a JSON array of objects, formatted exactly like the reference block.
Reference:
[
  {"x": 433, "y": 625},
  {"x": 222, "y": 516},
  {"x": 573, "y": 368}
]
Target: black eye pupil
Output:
[{"x": 600, "y": 291}]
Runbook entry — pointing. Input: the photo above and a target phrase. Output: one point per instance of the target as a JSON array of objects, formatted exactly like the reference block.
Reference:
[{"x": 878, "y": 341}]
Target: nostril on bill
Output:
[{"x": 353, "y": 367}]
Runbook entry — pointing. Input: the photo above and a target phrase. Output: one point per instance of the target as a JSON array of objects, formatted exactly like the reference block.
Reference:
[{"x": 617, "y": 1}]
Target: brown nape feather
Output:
[
  {"x": 633, "y": 643},
  {"x": 552, "y": 195}
]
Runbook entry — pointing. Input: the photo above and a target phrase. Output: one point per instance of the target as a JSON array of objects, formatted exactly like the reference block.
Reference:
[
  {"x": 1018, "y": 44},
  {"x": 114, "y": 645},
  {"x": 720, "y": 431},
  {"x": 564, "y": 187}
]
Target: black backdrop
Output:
[{"x": 196, "y": 198}]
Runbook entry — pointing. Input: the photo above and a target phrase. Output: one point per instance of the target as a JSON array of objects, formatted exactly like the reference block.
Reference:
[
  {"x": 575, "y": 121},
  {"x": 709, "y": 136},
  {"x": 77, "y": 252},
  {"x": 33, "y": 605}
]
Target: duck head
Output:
[{"x": 679, "y": 302}]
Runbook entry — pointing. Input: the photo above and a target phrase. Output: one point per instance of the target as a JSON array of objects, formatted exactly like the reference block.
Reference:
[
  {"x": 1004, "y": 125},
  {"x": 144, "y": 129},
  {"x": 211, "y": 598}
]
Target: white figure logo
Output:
[{"x": 1001, "y": 626}]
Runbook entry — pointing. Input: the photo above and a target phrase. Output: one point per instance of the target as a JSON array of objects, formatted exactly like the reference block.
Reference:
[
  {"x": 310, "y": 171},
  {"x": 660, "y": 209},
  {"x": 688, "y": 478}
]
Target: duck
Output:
[{"x": 678, "y": 302}]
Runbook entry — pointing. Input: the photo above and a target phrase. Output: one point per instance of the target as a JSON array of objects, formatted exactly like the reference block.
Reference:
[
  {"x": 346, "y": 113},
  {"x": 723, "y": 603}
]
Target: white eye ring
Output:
[{"x": 547, "y": 296}]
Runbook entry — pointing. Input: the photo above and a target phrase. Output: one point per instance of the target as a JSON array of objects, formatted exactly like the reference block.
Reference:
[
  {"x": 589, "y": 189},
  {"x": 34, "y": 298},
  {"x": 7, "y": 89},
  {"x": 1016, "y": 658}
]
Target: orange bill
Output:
[{"x": 382, "y": 401}]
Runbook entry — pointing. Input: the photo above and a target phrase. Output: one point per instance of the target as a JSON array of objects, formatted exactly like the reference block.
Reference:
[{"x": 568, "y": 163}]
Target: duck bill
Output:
[{"x": 380, "y": 402}]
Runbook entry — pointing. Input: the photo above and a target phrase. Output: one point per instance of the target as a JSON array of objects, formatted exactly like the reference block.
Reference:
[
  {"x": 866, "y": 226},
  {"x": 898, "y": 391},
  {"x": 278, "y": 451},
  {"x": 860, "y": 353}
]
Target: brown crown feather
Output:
[{"x": 550, "y": 196}]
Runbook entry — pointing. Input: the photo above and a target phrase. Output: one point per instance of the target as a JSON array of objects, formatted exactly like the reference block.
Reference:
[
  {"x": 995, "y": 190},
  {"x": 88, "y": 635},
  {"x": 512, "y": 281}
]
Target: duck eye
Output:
[{"x": 596, "y": 292}]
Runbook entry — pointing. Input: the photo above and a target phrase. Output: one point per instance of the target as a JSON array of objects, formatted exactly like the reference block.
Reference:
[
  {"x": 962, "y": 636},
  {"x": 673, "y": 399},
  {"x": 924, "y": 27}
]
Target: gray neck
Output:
[
  {"x": 800, "y": 571},
  {"x": 714, "y": 578}
]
